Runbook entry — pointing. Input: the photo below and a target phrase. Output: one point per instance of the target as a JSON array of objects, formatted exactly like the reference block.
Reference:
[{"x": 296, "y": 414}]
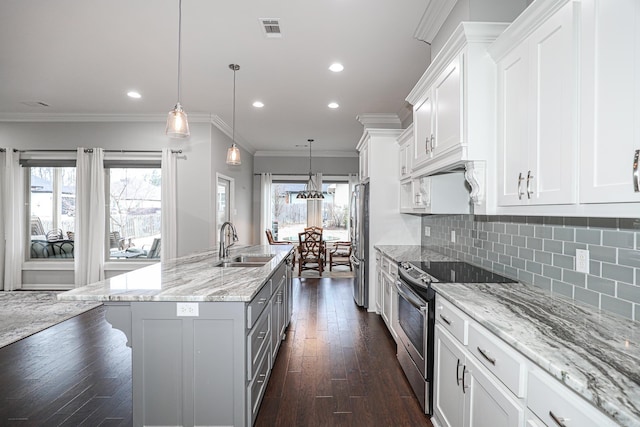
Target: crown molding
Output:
[
  {"x": 299, "y": 153},
  {"x": 379, "y": 120},
  {"x": 86, "y": 118},
  {"x": 123, "y": 118},
  {"x": 436, "y": 12}
]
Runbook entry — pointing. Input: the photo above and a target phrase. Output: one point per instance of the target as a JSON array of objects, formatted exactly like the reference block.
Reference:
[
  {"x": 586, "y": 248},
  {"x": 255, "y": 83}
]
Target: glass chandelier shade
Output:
[
  {"x": 233, "y": 153},
  {"x": 310, "y": 191},
  {"x": 177, "y": 124}
]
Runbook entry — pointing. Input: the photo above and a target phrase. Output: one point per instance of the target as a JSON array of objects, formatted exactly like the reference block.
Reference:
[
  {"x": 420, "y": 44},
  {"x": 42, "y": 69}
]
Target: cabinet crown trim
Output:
[
  {"x": 516, "y": 33},
  {"x": 465, "y": 34},
  {"x": 368, "y": 133},
  {"x": 406, "y": 135}
]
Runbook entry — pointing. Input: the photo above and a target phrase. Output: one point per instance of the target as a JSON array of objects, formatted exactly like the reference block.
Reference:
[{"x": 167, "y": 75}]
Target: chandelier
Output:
[{"x": 310, "y": 191}]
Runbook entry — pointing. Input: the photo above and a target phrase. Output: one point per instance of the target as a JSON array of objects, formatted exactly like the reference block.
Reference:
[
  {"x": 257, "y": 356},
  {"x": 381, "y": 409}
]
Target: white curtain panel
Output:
[
  {"x": 3, "y": 203},
  {"x": 314, "y": 207},
  {"x": 353, "y": 181},
  {"x": 169, "y": 206},
  {"x": 265, "y": 206},
  {"x": 13, "y": 213},
  {"x": 89, "y": 245}
]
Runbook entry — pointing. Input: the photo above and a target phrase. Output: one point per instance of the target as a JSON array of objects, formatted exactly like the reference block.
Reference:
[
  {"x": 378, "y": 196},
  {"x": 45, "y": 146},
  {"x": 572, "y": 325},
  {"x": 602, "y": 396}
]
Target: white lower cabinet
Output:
[
  {"x": 481, "y": 381},
  {"x": 555, "y": 405},
  {"x": 466, "y": 394},
  {"x": 387, "y": 276}
]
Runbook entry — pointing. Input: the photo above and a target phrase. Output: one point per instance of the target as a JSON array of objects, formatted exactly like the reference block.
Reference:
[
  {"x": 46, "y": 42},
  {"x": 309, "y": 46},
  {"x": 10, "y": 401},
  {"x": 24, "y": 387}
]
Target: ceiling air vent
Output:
[{"x": 271, "y": 27}]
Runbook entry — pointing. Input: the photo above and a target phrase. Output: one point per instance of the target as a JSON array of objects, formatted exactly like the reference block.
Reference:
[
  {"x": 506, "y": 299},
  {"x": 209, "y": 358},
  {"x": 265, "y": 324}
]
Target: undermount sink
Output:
[
  {"x": 252, "y": 258},
  {"x": 245, "y": 261}
]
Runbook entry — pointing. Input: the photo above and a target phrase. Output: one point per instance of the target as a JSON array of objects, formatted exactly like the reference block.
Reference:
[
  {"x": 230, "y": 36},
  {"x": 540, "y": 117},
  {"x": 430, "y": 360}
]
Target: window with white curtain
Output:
[
  {"x": 51, "y": 198},
  {"x": 133, "y": 209}
]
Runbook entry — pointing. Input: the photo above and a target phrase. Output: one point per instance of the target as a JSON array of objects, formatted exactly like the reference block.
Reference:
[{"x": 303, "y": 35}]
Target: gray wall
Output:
[
  {"x": 204, "y": 154},
  {"x": 541, "y": 251}
]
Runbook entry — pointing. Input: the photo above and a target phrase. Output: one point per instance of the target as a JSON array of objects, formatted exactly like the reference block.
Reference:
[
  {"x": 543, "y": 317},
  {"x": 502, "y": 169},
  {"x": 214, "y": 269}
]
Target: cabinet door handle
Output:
[
  {"x": 426, "y": 144},
  {"x": 636, "y": 174},
  {"x": 520, "y": 179},
  {"x": 484, "y": 354},
  {"x": 445, "y": 320},
  {"x": 458, "y": 372},
  {"x": 464, "y": 371},
  {"x": 262, "y": 300},
  {"x": 404, "y": 170},
  {"x": 261, "y": 335},
  {"x": 557, "y": 420},
  {"x": 529, "y": 179},
  {"x": 262, "y": 377},
  {"x": 433, "y": 140}
]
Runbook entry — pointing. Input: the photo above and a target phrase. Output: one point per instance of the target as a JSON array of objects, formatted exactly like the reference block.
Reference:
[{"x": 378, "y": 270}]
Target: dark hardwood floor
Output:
[{"x": 337, "y": 367}]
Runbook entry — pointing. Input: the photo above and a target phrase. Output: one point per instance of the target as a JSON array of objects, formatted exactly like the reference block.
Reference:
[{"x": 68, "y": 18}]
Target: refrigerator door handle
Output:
[{"x": 355, "y": 261}]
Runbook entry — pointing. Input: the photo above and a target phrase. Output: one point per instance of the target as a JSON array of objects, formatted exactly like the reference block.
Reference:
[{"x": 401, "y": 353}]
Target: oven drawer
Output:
[
  {"x": 505, "y": 363},
  {"x": 452, "y": 319}
]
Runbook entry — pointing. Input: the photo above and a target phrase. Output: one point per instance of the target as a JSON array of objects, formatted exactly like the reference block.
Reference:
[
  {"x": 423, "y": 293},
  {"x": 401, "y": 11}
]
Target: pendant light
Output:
[
  {"x": 233, "y": 153},
  {"x": 310, "y": 191},
  {"x": 177, "y": 124}
]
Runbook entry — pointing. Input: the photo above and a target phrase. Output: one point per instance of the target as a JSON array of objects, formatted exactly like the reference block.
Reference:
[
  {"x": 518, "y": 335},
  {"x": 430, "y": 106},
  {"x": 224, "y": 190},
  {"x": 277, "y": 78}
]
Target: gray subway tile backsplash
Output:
[{"x": 541, "y": 251}]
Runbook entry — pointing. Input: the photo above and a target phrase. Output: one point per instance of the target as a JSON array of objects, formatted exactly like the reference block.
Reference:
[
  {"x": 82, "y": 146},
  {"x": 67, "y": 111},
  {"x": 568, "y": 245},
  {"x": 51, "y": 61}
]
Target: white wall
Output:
[{"x": 204, "y": 154}]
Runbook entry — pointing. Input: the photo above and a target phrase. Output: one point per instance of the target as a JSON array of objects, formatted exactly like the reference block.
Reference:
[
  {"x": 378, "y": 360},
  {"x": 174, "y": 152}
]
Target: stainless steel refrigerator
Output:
[{"x": 359, "y": 231}]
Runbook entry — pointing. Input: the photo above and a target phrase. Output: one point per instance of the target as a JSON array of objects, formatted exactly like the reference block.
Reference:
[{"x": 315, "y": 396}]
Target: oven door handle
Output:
[{"x": 411, "y": 297}]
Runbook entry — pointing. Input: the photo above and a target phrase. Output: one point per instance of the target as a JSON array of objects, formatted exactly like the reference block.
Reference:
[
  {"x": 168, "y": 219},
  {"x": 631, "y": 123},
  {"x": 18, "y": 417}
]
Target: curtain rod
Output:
[{"x": 90, "y": 150}]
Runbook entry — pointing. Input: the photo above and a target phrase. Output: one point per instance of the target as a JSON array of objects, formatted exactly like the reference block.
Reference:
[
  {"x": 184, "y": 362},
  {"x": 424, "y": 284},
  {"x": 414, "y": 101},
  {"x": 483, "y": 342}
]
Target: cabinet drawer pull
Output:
[
  {"x": 445, "y": 320},
  {"x": 261, "y": 335},
  {"x": 636, "y": 173},
  {"x": 529, "y": 179},
  {"x": 464, "y": 371},
  {"x": 262, "y": 377},
  {"x": 458, "y": 372},
  {"x": 520, "y": 179},
  {"x": 557, "y": 420},
  {"x": 484, "y": 354}
]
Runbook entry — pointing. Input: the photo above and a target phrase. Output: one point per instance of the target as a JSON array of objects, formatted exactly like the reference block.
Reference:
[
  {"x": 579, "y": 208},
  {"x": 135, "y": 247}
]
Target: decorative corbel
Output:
[{"x": 475, "y": 174}]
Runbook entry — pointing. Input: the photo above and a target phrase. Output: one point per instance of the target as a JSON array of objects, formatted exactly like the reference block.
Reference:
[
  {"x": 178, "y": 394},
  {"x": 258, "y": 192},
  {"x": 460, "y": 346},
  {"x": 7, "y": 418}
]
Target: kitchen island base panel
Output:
[{"x": 186, "y": 370}]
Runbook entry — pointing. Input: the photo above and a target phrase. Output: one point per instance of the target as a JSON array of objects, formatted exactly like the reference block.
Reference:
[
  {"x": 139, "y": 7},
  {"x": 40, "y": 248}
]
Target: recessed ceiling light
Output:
[
  {"x": 134, "y": 94},
  {"x": 336, "y": 67},
  {"x": 258, "y": 104},
  {"x": 333, "y": 105}
]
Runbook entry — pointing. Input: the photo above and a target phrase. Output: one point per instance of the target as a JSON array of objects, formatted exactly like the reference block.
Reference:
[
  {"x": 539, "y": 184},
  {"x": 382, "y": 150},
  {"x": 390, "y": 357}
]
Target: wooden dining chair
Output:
[
  {"x": 311, "y": 251},
  {"x": 272, "y": 241},
  {"x": 340, "y": 254}
]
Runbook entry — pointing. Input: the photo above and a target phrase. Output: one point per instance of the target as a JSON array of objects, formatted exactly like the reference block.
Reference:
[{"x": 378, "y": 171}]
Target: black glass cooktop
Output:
[{"x": 458, "y": 272}]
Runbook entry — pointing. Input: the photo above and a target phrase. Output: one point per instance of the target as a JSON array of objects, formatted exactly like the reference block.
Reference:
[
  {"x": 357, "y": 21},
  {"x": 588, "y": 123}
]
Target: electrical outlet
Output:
[
  {"x": 453, "y": 236},
  {"x": 427, "y": 231},
  {"x": 187, "y": 309},
  {"x": 582, "y": 260}
]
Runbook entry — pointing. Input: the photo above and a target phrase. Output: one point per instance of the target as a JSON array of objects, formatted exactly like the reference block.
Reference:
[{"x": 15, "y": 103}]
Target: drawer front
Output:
[
  {"x": 385, "y": 264},
  {"x": 556, "y": 405},
  {"x": 258, "y": 342},
  {"x": 257, "y": 387},
  {"x": 452, "y": 319},
  {"x": 393, "y": 269},
  {"x": 504, "y": 362},
  {"x": 258, "y": 304}
]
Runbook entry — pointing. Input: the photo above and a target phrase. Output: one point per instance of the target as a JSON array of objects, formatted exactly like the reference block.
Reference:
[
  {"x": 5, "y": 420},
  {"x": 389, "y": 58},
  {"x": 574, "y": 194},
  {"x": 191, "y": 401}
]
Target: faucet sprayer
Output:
[{"x": 223, "y": 251}]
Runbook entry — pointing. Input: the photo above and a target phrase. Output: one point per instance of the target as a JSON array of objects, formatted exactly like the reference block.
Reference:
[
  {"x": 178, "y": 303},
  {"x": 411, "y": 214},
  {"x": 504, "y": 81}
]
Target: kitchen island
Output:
[
  {"x": 203, "y": 335},
  {"x": 590, "y": 356}
]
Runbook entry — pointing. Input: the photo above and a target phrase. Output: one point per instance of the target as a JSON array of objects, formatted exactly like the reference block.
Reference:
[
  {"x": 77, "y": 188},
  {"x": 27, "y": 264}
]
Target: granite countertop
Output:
[
  {"x": 188, "y": 278},
  {"x": 595, "y": 353}
]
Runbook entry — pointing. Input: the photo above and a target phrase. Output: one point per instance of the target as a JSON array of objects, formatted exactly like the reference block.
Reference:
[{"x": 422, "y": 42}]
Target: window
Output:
[
  {"x": 134, "y": 195},
  {"x": 51, "y": 205},
  {"x": 289, "y": 214}
]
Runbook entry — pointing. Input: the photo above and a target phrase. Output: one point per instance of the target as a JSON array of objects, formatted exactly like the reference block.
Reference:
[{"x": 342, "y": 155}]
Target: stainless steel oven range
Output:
[{"x": 414, "y": 320}]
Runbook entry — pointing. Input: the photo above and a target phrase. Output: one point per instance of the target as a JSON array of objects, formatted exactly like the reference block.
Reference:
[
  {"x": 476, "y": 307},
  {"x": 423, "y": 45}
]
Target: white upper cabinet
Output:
[
  {"x": 405, "y": 142},
  {"x": 454, "y": 110},
  {"x": 610, "y": 104},
  {"x": 536, "y": 113}
]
